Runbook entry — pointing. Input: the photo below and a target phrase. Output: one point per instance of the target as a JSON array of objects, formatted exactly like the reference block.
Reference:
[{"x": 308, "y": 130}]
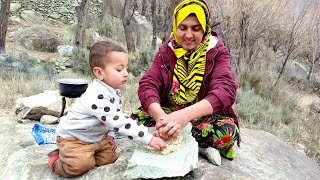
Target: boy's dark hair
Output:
[{"x": 99, "y": 52}]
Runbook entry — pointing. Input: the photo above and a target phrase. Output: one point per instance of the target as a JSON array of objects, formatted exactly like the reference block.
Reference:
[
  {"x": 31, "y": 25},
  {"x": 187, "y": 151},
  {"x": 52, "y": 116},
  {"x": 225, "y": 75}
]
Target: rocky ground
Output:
[{"x": 261, "y": 156}]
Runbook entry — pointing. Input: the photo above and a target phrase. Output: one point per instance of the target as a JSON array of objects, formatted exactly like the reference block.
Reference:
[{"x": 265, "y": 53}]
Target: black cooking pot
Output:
[{"x": 72, "y": 88}]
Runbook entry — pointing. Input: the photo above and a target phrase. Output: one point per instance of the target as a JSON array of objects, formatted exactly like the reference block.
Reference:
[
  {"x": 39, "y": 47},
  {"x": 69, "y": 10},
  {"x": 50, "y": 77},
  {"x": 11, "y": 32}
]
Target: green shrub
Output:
[
  {"x": 26, "y": 65},
  {"x": 259, "y": 113},
  {"x": 250, "y": 80},
  {"x": 80, "y": 62},
  {"x": 139, "y": 62}
]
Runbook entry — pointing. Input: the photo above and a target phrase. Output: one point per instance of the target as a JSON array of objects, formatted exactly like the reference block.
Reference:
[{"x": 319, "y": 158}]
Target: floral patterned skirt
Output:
[{"x": 209, "y": 131}]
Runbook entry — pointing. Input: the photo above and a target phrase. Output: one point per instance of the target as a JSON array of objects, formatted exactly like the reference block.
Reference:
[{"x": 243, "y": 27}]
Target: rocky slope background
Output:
[{"x": 44, "y": 33}]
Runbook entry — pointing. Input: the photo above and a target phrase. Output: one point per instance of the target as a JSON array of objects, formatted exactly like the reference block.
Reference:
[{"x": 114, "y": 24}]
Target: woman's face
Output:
[{"x": 190, "y": 32}]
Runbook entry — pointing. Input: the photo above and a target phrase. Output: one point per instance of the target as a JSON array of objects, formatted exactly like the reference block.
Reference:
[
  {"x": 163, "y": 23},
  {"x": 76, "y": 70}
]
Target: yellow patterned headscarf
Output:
[{"x": 190, "y": 67}]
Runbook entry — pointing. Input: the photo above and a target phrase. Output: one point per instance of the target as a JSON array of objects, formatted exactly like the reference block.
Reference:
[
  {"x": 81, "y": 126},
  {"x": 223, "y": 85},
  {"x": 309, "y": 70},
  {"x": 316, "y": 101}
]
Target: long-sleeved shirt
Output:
[
  {"x": 98, "y": 112},
  {"x": 218, "y": 86}
]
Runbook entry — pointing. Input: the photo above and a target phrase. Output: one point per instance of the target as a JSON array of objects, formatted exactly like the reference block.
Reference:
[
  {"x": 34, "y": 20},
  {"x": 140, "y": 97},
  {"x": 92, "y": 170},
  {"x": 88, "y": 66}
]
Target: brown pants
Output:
[{"x": 77, "y": 157}]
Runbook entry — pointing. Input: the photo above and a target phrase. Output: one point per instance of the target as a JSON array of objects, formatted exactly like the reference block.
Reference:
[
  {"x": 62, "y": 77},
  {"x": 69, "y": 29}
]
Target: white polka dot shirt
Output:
[{"x": 98, "y": 112}]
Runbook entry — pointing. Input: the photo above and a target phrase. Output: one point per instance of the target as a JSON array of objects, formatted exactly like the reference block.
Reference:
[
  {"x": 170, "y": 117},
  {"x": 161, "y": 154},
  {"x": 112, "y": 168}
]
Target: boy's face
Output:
[{"x": 115, "y": 73}]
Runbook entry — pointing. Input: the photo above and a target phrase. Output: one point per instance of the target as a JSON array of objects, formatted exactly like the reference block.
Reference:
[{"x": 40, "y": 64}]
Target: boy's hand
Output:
[
  {"x": 110, "y": 140},
  {"x": 157, "y": 143}
]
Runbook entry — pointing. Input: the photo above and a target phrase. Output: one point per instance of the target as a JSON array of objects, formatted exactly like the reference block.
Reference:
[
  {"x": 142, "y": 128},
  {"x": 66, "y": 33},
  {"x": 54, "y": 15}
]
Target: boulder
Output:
[
  {"x": 34, "y": 107},
  {"x": 296, "y": 70},
  {"x": 32, "y": 17},
  {"x": 40, "y": 39}
]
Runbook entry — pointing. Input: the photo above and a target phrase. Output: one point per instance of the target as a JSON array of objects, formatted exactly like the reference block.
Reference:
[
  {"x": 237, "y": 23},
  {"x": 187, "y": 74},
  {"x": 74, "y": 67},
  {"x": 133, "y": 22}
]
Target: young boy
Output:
[{"x": 85, "y": 134}]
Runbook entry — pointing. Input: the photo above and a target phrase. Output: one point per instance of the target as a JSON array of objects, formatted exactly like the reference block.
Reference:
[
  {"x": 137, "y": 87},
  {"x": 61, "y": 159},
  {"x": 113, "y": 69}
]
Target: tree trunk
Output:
[
  {"x": 293, "y": 40},
  {"x": 144, "y": 7},
  {"x": 104, "y": 6},
  {"x": 127, "y": 14},
  {"x": 154, "y": 24},
  {"x": 83, "y": 11},
  {"x": 168, "y": 6},
  {"x": 4, "y": 16}
]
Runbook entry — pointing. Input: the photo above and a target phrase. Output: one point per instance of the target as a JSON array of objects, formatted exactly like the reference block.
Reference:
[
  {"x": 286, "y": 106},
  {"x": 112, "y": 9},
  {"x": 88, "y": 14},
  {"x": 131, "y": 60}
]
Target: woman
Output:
[{"x": 190, "y": 80}]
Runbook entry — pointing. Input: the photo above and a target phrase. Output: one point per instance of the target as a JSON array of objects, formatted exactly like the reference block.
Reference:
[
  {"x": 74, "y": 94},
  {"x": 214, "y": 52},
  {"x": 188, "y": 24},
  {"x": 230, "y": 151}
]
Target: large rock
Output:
[
  {"x": 296, "y": 71},
  {"x": 32, "y": 17},
  {"x": 40, "y": 39},
  {"x": 34, "y": 107},
  {"x": 261, "y": 156}
]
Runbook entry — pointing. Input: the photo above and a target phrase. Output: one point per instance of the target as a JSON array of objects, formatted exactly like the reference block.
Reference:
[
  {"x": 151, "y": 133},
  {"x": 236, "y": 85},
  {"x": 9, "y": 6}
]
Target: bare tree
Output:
[
  {"x": 312, "y": 47},
  {"x": 4, "y": 16},
  {"x": 144, "y": 7},
  {"x": 167, "y": 8},
  {"x": 154, "y": 24},
  {"x": 294, "y": 38},
  {"x": 127, "y": 13},
  {"x": 104, "y": 5},
  {"x": 244, "y": 26},
  {"x": 83, "y": 11}
]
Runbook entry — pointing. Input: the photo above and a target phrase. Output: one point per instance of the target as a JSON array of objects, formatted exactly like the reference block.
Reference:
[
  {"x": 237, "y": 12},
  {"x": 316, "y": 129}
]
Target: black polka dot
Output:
[
  {"x": 120, "y": 102},
  {"x": 116, "y": 118},
  {"x": 116, "y": 129},
  {"x": 130, "y": 137},
  {"x": 138, "y": 123},
  {"x": 103, "y": 118},
  {"x": 141, "y": 134},
  {"x": 127, "y": 126},
  {"x": 94, "y": 106},
  {"x": 100, "y": 96},
  {"x": 112, "y": 100},
  {"x": 127, "y": 117},
  {"x": 106, "y": 109},
  {"x": 118, "y": 109}
]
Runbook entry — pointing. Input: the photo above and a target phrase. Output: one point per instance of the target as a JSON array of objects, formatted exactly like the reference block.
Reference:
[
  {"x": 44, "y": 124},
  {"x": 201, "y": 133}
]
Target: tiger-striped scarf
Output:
[{"x": 190, "y": 67}]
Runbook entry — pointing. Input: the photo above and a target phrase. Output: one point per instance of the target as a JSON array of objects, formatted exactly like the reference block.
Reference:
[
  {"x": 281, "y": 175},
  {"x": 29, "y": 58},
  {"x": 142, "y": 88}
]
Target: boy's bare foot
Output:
[{"x": 53, "y": 156}]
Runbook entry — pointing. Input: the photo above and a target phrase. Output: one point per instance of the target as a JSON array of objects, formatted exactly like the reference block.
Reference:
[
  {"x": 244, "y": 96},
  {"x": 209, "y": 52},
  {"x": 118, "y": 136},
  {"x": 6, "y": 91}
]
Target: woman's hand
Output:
[
  {"x": 171, "y": 125},
  {"x": 161, "y": 135}
]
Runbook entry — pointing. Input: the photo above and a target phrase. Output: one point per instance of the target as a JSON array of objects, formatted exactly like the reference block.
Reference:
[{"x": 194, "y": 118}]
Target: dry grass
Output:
[
  {"x": 276, "y": 110},
  {"x": 16, "y": 84}
]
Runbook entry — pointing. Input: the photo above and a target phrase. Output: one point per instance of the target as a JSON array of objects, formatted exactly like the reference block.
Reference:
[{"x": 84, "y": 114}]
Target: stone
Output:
[
  {"x": 66, "y": 50},
  {"x": 147, "y": 164},
  {"x": 40, "y": 39},
  {"x": 15, "y": 7},
  {"x": 63, "y": 10},
  {"x": 54, "y": 15},
  {"x": 48, "y": 119},
  {"x": 32, "y": 16},
  {"x": 34, "y": 107}
]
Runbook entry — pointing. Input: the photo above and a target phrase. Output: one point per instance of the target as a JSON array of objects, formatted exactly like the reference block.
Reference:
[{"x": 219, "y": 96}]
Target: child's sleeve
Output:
[{"x": 108, "y": 112}]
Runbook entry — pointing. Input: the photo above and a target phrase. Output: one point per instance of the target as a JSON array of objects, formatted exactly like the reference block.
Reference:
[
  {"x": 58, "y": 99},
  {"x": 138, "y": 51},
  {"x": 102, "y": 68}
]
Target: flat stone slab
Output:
[{"x": 145, "y": 163}]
